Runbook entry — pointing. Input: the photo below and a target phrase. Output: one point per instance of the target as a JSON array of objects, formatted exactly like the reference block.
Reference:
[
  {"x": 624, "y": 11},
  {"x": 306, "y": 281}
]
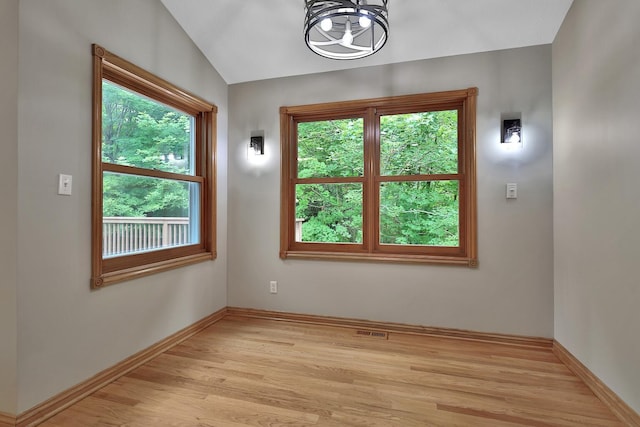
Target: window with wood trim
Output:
[
  {"x": 385, "y": 179},
  {"x": 153, "y": 180}
]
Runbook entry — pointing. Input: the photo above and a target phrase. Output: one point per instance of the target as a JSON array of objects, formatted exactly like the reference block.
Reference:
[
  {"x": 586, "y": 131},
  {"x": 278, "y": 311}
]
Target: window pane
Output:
[
  {"x": 419, "y": 213},
  {"x": 330, "y": 213},
  {"x": 419, "y": 143},
  {"x": 331, "y": 148},
  {"x": 142, "y": 214},
  {"x": 137, "y": 131}
]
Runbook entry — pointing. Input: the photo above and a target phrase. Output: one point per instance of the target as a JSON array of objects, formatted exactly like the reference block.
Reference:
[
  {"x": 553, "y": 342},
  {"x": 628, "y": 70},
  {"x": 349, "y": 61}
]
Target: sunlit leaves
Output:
[
  {"x": 331, "y": 148},
  {"x": 419, "y": 143}
]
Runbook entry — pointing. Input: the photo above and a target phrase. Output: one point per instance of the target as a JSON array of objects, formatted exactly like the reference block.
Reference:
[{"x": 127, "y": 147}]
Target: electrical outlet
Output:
[{"x": 273, "y": 287}]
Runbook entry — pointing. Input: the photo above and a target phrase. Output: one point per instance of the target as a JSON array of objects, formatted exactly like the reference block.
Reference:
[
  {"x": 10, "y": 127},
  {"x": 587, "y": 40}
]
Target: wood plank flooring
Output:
[{"x": 267, "y": 373}]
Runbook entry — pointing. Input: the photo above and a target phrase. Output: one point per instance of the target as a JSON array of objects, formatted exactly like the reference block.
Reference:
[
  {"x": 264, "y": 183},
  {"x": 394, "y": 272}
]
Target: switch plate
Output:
[
  {"x": 273, "y": 287},
  {"x": 64, "y": 184},
  {"x": 512, "y": 190}
]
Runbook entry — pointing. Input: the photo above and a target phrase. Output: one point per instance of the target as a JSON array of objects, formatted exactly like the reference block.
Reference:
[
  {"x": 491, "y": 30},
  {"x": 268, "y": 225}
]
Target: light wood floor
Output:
[{"x": 253, "y": 372}]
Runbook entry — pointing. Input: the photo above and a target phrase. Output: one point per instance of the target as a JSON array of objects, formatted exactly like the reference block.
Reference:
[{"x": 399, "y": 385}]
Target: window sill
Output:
[
  {"x": 377, "y": 257},
  {"x": 148, "y": 269}
]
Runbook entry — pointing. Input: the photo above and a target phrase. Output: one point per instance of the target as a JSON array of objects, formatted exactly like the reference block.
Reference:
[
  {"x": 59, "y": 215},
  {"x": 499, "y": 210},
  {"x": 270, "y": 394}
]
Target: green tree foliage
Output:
[
  {"x": 419, "y": 143},
  {"x": 332, "y": 148},
  {"x": 332, "y": 212},
  {"x": 137, "y": 131},
  {"x": 421, "y": 212}
]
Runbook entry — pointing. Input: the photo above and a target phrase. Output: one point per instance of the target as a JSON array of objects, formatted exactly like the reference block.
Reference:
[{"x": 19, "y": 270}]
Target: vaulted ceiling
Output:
[{"x": 248, "y": 40}]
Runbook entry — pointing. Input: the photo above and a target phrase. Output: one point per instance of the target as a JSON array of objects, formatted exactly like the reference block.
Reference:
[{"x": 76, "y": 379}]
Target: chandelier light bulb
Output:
[
  {"x": 326, "y": 24},
  {"x": 347, "y": 39},
  {"x": 364, "y": 21}
]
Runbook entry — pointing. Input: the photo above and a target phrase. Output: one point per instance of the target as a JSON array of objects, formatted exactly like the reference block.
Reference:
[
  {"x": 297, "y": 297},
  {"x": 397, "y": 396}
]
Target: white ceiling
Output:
[{"x": 248, "y": 40}]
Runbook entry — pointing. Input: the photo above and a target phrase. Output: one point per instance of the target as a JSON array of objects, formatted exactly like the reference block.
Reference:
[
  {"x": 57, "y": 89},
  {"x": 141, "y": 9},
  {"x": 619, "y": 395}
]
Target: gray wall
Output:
[
  {"x": 596, "y": 106},
  {"x": 511, "y": 291},
  {"x": 66, "y": 331},
  {"x": 8, "y": 202}
]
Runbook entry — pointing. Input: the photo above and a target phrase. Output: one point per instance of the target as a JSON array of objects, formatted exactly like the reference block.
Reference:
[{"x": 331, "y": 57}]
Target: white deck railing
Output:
[
  {"x": 122, "y": 235},
  {"x": 299, "y": 222}
]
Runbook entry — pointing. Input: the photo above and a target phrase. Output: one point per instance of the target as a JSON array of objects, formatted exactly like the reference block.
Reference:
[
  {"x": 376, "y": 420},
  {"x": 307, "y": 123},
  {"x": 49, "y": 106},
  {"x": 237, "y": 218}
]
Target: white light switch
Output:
[
  {"x": 64, "y": 184},
  {"x": 512, "y": 190}
]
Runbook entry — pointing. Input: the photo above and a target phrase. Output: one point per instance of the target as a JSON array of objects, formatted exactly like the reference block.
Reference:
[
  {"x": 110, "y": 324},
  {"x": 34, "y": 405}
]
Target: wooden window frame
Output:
[
  {"x": 109, "y": 66},
  {"x": 464, "y": 101}
]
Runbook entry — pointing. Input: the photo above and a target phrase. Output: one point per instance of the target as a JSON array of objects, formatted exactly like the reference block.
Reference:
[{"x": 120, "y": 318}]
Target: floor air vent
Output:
[{"x": 372, "y": 334}]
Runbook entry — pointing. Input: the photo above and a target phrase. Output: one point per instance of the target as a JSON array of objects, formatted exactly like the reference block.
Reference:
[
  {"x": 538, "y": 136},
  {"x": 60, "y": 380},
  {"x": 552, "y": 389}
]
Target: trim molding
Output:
[
  {"x": 623, "y": 411},
  {"x": 61, "y": 401},
  {"x": 514, "y": 340},
  {"x": 7, "y": 420}
]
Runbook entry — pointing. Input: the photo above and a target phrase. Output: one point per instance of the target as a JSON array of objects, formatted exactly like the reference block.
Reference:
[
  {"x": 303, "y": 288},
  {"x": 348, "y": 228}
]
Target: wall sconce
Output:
[
  {"x": 512, "y": 131},
  {"x": 256, "y": 145}
]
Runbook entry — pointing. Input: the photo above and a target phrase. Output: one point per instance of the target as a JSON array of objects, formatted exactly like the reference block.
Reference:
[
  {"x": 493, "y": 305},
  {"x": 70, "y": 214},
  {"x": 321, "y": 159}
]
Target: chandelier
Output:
[{"x": 346, "y": 29}]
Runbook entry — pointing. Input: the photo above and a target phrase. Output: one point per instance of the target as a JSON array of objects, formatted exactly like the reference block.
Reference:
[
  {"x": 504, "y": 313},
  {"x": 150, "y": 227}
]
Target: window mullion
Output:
[
  {"x": 292, "y": 169},
  {"x": 407, "y": 178},
  {"x": 371, "y": 170},
  {"x": 329, "y": 180},
  {"x": 153, "y": 173}
]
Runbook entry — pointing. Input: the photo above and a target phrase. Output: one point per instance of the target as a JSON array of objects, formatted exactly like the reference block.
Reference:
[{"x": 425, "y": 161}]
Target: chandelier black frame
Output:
[{"x": 346, "y": 29}]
